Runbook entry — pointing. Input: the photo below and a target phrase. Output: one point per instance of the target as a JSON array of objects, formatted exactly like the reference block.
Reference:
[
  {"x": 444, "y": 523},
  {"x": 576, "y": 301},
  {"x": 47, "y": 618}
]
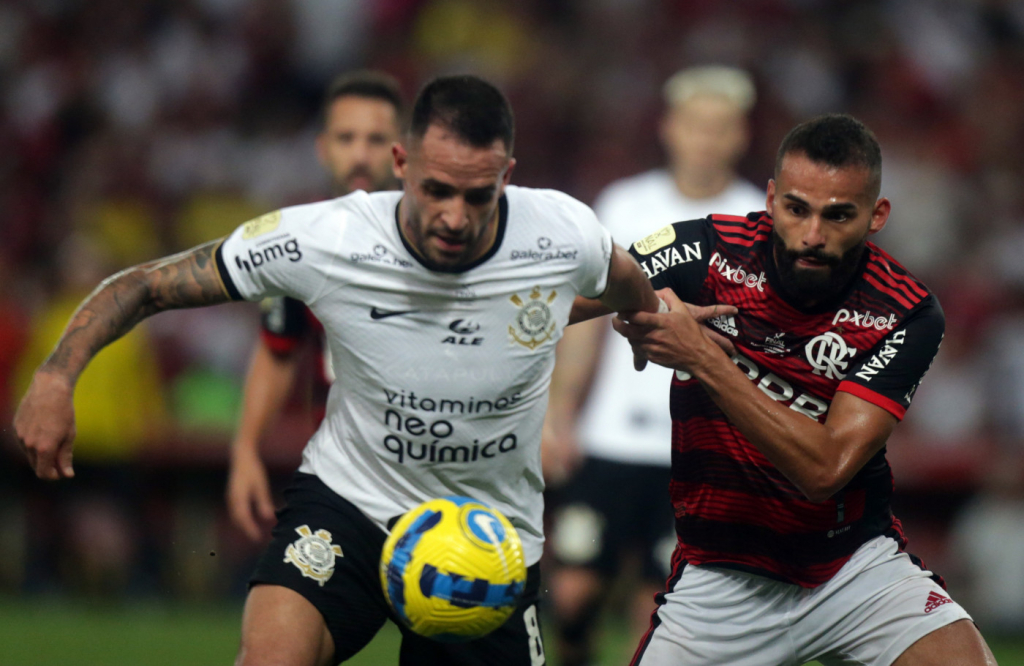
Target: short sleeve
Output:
[
  {"x": 595, "y": 255},
  {"x": 677, "y": 257},
  {"x": 889, "y": 374},
  {"x": 277, "y": 254}
]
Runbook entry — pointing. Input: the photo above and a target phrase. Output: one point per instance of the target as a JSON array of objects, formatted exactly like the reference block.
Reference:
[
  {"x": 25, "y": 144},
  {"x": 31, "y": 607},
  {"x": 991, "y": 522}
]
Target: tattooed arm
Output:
[{"x": 45, "y": 420}]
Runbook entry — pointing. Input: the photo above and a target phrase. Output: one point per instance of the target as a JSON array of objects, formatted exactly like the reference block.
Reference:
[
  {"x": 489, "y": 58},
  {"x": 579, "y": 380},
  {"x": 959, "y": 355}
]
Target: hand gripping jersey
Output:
[
  {"x": 443, "y": 375},
  {"x": 733, "y": 507}
]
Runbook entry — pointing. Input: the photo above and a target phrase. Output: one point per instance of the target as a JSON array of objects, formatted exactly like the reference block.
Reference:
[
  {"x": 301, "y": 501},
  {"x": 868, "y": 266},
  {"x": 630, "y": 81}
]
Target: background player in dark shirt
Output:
[
  {"x": 788, "y": 549},
  {"x": 362, "y": 119}
]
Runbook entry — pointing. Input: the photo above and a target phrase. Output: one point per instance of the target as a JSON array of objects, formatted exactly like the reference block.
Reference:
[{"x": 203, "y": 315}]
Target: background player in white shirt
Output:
[
  {"x": 619, "y": 417},
  {"x": 442, "y": 304},
  {"x": 362, "y": 120}
]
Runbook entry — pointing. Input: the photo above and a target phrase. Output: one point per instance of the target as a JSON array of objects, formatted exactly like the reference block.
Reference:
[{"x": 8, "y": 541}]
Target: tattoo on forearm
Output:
[{"x": 188, "y": 279}]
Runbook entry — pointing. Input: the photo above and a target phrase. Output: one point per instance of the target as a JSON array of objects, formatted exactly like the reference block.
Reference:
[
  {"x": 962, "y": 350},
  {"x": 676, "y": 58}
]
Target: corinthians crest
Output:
[
  {"x": 313, "y": 554},
  {"x": 534, "y": 323}
]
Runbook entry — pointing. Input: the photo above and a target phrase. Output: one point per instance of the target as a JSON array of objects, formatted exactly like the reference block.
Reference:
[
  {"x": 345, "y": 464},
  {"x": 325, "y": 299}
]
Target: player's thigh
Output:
[
  {"x": 879, "y": 606},
  {"x": 327, "y": 552},
  {"x": 281, "y": 628},
  {"x": 518, "y": 642},
  {"x": 712, "y": 616},
  {"x": 957, "y": 644}
]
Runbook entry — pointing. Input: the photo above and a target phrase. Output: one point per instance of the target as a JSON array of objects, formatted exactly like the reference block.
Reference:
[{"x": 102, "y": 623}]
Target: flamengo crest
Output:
[
  {"x": 313, "y": 554},
  {"x": 828, "y": 353},
  {"x": 534, "y": 323}
]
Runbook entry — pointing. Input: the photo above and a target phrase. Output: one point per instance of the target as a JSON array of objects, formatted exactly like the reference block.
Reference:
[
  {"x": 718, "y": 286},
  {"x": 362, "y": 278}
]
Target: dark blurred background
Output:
[{"x": 130, "y": 130}]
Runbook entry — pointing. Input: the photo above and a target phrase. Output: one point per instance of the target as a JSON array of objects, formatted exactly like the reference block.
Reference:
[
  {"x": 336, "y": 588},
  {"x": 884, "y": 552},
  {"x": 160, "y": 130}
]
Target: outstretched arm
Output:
[{"x": 44, "y": 422}]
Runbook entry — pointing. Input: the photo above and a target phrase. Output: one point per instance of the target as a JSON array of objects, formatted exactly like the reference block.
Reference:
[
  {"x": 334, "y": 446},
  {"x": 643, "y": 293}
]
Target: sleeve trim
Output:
[
  {"x": 225, "y": 276},
  {"x": 279, "y": 345},
  {"x": 864, "y": 393}
]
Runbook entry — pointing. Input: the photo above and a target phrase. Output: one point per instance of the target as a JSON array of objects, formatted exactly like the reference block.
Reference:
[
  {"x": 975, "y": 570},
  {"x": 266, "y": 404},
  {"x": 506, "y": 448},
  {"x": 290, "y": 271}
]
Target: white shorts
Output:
[{"x": 878, "y": 605}]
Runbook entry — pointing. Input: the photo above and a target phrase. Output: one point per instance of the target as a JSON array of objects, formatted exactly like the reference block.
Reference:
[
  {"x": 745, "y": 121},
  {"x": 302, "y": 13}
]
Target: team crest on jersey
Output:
[
  {"x": 313, "y": 554},
  {"x": 534, "y": 323},
  {"x": 263, "y": 224},
  {"x": 828, "y": 353},
  {"x": 656, "y": 241}
]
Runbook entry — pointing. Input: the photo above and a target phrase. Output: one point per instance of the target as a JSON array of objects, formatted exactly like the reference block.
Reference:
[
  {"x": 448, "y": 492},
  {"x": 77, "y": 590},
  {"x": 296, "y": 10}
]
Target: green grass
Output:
[{"x": 37, "y": 633}]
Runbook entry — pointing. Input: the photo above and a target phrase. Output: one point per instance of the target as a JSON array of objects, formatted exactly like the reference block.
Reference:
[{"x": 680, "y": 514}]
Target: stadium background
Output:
[{"x": 129, "y": 130}]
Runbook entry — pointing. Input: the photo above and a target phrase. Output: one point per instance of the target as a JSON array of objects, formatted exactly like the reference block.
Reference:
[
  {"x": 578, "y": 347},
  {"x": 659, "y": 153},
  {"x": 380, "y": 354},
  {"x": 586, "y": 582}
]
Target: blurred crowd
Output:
[{"x": 130, "y": 130}]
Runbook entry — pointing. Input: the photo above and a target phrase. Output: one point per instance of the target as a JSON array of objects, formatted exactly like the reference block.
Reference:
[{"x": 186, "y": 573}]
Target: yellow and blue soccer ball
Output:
[{"x": 453, "y": 569}]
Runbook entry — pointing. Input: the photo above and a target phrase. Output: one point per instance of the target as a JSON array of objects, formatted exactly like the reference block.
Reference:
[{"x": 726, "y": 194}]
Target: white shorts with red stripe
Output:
[{"x": 878, "y": 605}]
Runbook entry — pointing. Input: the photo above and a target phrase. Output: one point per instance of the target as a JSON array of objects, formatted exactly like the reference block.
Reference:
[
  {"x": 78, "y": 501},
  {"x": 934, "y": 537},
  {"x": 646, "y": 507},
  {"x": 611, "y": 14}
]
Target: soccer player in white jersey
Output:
[
  {"x": 362, "y": 118},
  {"x": 441, "y": 305},
  {"x": 622, "y": 423}
]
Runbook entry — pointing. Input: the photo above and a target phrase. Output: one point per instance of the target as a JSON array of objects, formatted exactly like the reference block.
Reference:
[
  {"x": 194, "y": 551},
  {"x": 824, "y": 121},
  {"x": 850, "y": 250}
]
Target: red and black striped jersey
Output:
[{"x": 876, "y": 340}]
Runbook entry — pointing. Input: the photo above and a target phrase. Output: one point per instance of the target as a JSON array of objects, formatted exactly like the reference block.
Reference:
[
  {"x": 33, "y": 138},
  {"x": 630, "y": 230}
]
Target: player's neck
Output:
[{"x": 696, "y": 184}]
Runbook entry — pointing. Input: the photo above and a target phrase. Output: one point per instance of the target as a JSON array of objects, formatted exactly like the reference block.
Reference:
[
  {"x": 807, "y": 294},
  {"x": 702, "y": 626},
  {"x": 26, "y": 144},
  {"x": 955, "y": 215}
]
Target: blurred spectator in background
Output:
[
  {"x": 362, "y": 118},
  {"x": 621, "y": 417},
  {"x": 96, "y": 532}
]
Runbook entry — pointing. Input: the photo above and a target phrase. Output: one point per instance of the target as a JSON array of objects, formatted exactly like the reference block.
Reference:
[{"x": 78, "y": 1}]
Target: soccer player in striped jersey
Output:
[{"x": 788, "y": 550}]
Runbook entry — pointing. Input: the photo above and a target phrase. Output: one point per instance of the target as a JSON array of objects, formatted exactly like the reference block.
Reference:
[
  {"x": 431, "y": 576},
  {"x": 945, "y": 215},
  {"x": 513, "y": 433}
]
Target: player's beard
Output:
[
  {"x": 813, "y": 286},
  {"x": 374, "y": 183}
]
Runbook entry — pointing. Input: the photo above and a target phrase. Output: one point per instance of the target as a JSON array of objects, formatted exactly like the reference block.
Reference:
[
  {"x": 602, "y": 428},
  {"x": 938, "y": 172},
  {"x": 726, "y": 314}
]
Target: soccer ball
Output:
[{"x": 453, "y": 569}]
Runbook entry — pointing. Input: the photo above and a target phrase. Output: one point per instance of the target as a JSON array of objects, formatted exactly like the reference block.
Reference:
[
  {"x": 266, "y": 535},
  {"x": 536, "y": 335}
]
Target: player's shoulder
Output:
[
  {"x": 741, "y": 230},
  {"x": 892, "y": 282}
]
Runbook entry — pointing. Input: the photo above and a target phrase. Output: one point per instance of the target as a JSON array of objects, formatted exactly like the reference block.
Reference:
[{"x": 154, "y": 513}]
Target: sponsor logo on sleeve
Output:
[
  {"x": 662, "y": 260},
  {"x": 885, "y": 355},
  {"x": 534, "y": 322},
  {"x": 737, "y": 274},
  {"x": 828, "y": 353},
  {"x": 659, "y": 239},
  {"x": 263, "y": 224},
  {"x": 265, "y": 252}
]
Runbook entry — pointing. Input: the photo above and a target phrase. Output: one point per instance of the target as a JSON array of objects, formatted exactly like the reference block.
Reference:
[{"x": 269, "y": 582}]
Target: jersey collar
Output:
[{"x": 498, "y": 237}]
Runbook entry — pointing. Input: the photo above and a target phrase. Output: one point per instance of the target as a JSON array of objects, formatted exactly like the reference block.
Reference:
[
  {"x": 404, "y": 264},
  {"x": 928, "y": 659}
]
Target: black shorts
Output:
[
  {"x": 609, "y": 509},
  {"x": 350, "y": 597}
]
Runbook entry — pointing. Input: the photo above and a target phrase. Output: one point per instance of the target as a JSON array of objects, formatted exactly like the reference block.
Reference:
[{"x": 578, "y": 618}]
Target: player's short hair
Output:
[
  {"x": 838, "y": 140},
  {"x": 368, "y": 85},
  {"x": 732, "y": 83},
  {"x": 471, "y": 108}
]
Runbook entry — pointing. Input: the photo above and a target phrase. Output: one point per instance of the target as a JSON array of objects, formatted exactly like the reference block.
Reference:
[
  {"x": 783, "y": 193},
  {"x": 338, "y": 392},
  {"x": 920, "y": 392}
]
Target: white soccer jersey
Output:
[
  {"x": 444, "y": 375},
  {"x": 626, "y": 417}
]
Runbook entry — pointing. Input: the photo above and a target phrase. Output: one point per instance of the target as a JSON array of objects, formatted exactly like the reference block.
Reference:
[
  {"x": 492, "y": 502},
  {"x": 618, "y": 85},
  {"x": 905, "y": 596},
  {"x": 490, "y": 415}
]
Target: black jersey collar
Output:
[{"x": 499, "y": 236}]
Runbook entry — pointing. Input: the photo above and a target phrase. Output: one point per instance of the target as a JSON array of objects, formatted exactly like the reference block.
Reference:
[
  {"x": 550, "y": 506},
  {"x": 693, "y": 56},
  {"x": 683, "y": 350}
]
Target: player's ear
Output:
[
  {"x": 400, "y": 160},
  {"x": 769, "y": 200},
  {"x": 506, "y": 178},
  {"x": 880, "y": 215}
]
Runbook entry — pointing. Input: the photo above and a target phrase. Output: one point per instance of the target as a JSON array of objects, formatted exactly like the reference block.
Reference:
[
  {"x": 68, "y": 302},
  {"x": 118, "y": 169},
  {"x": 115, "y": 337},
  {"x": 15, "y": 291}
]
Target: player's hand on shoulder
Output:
[
  {"x": 45, "y": 425},
  {"x": 248, "y": 492}
]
